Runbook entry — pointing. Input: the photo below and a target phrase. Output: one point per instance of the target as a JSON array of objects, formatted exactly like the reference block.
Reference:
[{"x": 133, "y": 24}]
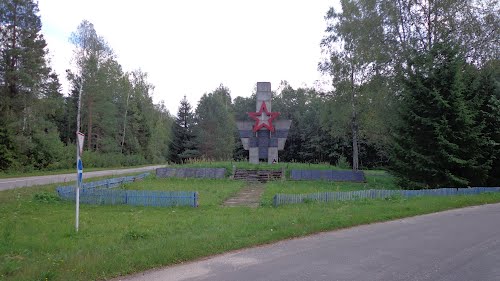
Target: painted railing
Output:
[
  {"x": 151, "y": 198},
  {"x": 103, "y": 193},
  {"x": 285, "y": 199}
]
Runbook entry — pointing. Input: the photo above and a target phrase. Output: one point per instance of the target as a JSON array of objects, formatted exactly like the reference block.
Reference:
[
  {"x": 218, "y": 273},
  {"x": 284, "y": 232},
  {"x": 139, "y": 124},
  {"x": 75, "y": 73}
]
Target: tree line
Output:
[
  {"x": 416, "y": 89},
  {"x": 38, "y": 122},
  {"x": 424, "y": 75}
]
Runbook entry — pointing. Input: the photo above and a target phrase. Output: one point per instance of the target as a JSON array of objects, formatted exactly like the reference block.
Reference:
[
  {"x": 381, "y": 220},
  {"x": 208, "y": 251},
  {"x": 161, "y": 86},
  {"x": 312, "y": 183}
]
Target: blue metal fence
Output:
[
  {"x": 114, "y": 182},
  {"x": 284, "y": 199},
  {"x": 102, "y": 193},
  {"x": 152, "y": 198},
  {"x": 329, "y": 175}
]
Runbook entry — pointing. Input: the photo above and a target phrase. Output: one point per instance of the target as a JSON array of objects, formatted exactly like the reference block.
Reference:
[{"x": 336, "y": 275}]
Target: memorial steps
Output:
[
  {"x": 250, "y": 195},
  {"x": 261, "y": 176}
]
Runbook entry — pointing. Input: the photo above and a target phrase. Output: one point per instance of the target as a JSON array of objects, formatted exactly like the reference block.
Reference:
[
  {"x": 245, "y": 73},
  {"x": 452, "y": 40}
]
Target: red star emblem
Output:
[{"x": 263, "y": 118}]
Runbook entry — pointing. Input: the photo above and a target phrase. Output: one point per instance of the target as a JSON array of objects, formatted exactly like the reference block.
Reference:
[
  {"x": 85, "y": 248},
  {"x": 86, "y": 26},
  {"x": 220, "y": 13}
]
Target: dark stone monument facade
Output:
[{"x": 264, "y": 136}]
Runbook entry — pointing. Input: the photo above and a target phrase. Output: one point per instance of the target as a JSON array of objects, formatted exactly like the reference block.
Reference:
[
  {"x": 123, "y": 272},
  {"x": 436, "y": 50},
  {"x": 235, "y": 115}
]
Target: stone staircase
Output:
[
  {"x": 261, "y": 176},
  {"x": 249, "y": 196}
]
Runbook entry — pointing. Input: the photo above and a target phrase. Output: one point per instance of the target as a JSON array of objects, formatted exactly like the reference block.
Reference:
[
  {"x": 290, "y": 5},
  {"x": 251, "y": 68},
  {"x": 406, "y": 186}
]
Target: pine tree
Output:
[
  {"x": 183, "y": 145},
  {"x": 29, "y": 92},
  {"x": 440, "y": 141},
  {"x": 23, "y": 64}
]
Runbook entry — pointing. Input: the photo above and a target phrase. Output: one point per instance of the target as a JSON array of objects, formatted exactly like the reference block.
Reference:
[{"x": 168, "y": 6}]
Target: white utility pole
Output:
[{"x": 79, "y": 165}]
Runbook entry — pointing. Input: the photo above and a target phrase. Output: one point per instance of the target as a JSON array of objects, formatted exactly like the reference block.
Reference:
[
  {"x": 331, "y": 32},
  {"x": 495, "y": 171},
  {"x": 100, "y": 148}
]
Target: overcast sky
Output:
[{"x": 190, "y": 47}]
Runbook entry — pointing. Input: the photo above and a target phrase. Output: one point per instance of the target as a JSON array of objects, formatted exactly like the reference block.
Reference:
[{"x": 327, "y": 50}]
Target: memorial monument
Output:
[{"x": 264, "y": 136}]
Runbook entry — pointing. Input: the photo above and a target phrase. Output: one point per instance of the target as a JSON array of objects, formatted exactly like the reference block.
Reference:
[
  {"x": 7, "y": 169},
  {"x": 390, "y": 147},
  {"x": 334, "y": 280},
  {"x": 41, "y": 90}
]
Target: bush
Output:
[{"x": 46, "y": 197}]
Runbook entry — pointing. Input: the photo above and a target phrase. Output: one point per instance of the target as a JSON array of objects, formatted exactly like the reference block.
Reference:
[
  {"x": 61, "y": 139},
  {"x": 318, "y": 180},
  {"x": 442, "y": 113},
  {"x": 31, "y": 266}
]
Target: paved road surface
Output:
[
  {"x": 31, "y": 181},
  {"x": 457, "y": 245}
]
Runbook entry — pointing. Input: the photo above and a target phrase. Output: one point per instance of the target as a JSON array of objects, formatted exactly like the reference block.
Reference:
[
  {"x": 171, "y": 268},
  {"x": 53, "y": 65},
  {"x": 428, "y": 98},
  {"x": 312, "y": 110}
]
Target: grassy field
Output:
[
  {"x": 38, "y": 241},
  {"x": 374, "y": 180},
  {"x": 211, "y": 192}
]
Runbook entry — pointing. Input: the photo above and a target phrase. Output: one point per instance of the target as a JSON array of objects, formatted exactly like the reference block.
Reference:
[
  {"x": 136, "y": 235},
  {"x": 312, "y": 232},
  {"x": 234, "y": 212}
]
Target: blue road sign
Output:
[
  {"x": 80, "y": 171},
  {"x": 80, "y": 166}
]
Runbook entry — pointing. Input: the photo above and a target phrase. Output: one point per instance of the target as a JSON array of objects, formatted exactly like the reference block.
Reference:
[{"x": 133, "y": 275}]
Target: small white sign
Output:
[{"x": 81, "y": 139}]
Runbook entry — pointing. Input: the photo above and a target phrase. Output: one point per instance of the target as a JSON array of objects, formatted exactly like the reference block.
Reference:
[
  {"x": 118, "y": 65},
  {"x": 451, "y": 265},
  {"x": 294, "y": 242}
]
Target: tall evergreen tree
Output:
[
  {"x": 487, "y": 88},
  {"x": 183, "y": 145},
  {"x": 29, "y": 92},
  {"x": 440, "y": 141}
]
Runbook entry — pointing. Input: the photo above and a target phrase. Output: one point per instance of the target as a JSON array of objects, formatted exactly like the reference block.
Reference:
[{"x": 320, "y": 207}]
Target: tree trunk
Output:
[
  {"x": 89, "y": 142},
  {"x": 124, "y": 123},
  {"x": 11, "y": 82}
]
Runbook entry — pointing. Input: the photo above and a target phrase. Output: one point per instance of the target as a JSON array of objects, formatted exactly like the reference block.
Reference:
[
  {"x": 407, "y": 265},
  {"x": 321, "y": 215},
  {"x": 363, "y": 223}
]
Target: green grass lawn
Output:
[
  {"x": 38, "y": 241},
  {"x": 382, "y": 180},
  {"x": 212, "y": 192}
]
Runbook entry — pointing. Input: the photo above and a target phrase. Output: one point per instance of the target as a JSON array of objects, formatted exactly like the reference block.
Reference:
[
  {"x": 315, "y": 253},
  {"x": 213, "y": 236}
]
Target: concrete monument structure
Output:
[{"x": 264, "y": 136}]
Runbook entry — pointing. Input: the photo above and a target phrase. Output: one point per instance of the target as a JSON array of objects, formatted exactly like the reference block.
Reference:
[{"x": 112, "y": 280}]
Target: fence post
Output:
[
  {"x": 195, "y": 199},
  {"x": 275, "y": 200}
]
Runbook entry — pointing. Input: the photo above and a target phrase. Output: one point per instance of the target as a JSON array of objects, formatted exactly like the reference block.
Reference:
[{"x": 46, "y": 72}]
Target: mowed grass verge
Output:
[{"x": 38, "y": 241}]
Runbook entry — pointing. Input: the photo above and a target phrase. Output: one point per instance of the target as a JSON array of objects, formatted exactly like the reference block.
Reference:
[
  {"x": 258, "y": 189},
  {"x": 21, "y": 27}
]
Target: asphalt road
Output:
[
  {"x": 38, "y": 180},
  {"x": 457, "y": 245}
]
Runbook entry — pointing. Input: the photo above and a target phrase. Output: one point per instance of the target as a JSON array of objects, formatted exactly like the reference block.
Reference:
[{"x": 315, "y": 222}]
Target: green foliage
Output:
[
  {"x": 47, "y": 148},
  {"x": 442, "y": 139},
  {"x": 135, "y": 235},
  {"x": 183, "y": 146},
  {"x": 342, "y": 163},
  {"x": 29, "y": 92},
  {"x": 369, "y": 45},
  {"x": 46, "y": 197},
  {"x": 7, "y": 147},
  {"x": 358, "y": 107},
  {"x": 120, "y": 121},
  {"x": 100, "y": 160},
  {"x": 487, "y": 91},
  {"x": 216, "y": 125}
]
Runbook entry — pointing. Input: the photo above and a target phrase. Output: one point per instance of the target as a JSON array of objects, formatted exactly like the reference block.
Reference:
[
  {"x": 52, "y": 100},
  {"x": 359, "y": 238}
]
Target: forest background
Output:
[{"x": 416, "y": 90}]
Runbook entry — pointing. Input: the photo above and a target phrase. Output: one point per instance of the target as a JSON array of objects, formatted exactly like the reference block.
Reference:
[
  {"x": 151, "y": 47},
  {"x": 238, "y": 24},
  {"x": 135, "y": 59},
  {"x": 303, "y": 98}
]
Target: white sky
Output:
[{"x": 190, "y": 47}]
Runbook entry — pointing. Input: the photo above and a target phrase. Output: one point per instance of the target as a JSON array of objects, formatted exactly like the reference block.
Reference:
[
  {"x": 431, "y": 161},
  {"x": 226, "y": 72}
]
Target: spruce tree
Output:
[
  {"x": 440, "y": 140},
  {"x": 183, "y": 145},
  {"x": 488, "y": 89}
]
